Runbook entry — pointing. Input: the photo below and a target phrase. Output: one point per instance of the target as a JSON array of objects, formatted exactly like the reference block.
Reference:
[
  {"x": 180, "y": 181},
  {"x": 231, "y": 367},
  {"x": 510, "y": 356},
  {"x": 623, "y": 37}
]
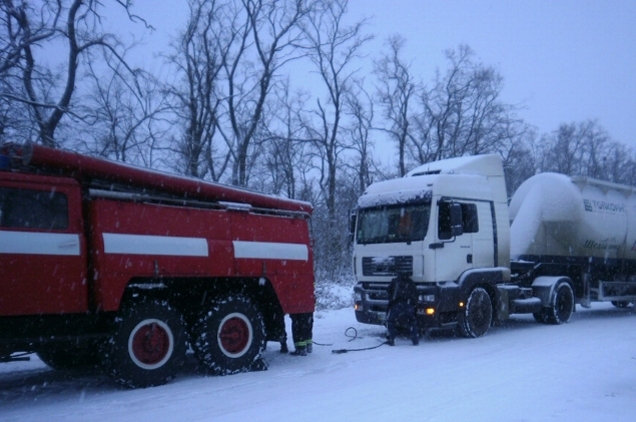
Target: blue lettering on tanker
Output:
[
  {"x": 606, "y": 244},
  {"x": 592, "y": 205}
]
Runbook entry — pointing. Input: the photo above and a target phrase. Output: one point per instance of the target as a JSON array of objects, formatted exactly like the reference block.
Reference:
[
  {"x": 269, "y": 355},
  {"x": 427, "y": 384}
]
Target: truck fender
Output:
[
  {"x": 480, "y": 276},
  {"x": 543, "y": 287},
  {"x": 488, "y": 278}
]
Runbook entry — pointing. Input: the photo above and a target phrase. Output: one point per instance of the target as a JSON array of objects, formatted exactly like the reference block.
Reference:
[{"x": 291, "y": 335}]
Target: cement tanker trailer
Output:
[
  {"x": 447, "y": 226},
  {"x": 580, "y": 227}
]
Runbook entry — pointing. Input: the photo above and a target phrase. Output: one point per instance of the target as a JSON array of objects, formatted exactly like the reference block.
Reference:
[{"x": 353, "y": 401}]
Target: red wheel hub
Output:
[
  {"x": 151, "y": 343},
  {"x": 234, "y": 335}
]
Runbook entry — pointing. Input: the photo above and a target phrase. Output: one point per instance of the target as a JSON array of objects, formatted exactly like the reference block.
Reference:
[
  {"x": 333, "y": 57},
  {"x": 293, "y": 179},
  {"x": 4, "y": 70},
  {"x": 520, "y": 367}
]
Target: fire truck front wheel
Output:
[
  {"x": 148, "y": 347},
  {"x": 229, "y": 337}
]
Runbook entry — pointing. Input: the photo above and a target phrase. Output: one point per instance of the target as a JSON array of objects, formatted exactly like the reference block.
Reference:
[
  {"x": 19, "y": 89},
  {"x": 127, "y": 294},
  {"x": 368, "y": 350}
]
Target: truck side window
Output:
[
  {"x": 470, "y": 222},
  {"x": 33, "y": 209},
  {"x": 469, "y": 218}
]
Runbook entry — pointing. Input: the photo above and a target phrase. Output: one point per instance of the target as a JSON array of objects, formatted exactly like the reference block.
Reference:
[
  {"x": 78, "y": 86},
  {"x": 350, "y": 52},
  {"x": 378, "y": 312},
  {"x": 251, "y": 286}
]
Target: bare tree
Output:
[
  {"x": 200, "y": 55},
  {"x": 586, "y": 149},
  {"x": 122, "y": 115},
  {"x": 230, "y": 57},
  {"x": 395, "y": 92},
  {"x": 286, "y": 158},
  {"x": 462, "y": 114},
  {"x": 73, "y": 25},
  {"x": 359, "y": 108},
  {"x": 333, "y": 47},
  {"x": 274, "y": 30}
]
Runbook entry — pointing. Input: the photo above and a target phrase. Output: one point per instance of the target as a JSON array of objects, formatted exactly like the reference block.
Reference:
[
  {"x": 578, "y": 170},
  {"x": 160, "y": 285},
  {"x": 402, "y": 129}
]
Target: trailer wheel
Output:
[
  {"x": 230, "y": 337},
  {"x": 620, "y": 304},
  {"x": 148, "y": 347},
  {"x": 476, "y": 318},
  {"x": 69, "y": 356},
  {"x": 561, "y": 304}
]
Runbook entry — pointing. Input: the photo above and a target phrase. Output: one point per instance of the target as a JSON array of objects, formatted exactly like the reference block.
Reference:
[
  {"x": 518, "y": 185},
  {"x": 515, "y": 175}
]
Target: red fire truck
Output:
[{"x": 102, "y": 262}]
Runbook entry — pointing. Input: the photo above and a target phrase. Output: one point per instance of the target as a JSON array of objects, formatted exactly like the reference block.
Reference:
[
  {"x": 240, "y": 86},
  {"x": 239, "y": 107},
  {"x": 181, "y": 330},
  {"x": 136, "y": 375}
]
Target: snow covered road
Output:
[{"x": 523, "y": 371}]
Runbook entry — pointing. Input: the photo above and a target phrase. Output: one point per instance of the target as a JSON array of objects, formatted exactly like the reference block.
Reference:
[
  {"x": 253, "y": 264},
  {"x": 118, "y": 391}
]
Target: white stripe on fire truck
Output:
[
  {"x": 137, "y": 244},
  {"x": 270, "y": 250},
  {"x": 31, "y": 243}
]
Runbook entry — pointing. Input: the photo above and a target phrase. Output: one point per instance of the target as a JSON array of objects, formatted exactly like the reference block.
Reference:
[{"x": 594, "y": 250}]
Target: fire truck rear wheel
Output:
[
  {"x": 229, "y": 338},
  {"x": 476, "y": 317},
  {"x": 148, "y": 347}
]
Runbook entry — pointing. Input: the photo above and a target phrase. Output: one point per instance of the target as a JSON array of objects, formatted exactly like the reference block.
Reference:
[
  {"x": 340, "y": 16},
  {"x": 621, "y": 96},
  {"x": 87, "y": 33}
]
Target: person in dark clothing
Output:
[
  {"x": 278, "y": 334},
  {"x": 401, "y": 309},
  {"x": 302, "y": 327}
]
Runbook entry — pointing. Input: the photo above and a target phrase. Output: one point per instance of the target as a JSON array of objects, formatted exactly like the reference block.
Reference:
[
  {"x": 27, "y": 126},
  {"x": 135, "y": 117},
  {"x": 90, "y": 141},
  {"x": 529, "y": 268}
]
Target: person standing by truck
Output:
[
  {"x": 302, "y": 326},
  {"x": 401, "y": 309}
]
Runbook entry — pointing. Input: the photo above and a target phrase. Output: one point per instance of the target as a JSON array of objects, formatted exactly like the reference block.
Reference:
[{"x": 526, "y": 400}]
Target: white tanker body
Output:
[{"x": 579, "y": 226}]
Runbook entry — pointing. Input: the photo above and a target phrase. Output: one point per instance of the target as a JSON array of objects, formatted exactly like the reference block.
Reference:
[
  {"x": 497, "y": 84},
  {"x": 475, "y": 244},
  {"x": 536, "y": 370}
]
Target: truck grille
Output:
[{"x": 387, "y": 266}]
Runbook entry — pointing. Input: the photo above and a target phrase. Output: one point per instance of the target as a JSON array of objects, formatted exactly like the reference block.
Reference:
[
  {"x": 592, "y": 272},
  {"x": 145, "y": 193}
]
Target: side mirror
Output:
[{"x": 352, "y": 225}]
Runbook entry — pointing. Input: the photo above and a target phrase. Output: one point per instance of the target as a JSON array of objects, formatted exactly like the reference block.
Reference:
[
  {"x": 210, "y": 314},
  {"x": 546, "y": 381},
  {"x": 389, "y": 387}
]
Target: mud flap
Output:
[
  {"x": 503, "y": 310},
  {"x": 586, "y": 300}
]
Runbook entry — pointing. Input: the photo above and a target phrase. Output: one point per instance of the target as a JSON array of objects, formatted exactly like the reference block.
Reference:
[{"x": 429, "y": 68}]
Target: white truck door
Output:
[
  {"x": 454, "y": 254},
  {"x": 474, "y": 248}
]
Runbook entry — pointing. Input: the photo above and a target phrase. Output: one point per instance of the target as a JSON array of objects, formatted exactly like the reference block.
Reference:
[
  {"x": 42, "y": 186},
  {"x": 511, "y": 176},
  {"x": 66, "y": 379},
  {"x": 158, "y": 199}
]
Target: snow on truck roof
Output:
[
  {"x": 413, "y": 186},
  {"x": 483, "y": 165},
  {"x": 394, "y": 191}
]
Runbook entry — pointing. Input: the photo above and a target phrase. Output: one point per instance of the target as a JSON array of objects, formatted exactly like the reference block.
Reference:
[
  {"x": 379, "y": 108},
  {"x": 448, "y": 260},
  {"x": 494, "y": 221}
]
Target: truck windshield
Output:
[{"x": 393, "y": 223}]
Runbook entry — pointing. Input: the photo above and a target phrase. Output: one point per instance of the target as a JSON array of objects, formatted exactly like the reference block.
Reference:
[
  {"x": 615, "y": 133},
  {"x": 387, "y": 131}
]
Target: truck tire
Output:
[
  {"x": 476, "y": 318},
  {"x": 69, "y": 356},
  {"x": 561, "y": 304},
  {"x": 229, "y": 338},
  {"x": 148, "y": 347}
]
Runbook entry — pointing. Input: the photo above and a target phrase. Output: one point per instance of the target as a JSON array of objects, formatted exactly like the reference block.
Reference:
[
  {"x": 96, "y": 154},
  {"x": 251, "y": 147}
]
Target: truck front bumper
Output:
[{"x": 371, "y": 302}]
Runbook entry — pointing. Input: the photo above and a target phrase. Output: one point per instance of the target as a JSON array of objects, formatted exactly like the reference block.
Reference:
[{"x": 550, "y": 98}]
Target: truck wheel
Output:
[
  {"x": 561, "y": 304},
  {"x": 229, "y": 338},
  {"x": 69, "y": 356},
  {"x": 476, "y": 318},
  {"x": 148, "y": 347}
]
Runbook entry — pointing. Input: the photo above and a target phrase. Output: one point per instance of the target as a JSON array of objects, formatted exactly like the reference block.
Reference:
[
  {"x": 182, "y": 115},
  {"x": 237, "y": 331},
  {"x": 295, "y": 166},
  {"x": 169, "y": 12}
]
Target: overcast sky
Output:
[{"x": 563, "y": 60}]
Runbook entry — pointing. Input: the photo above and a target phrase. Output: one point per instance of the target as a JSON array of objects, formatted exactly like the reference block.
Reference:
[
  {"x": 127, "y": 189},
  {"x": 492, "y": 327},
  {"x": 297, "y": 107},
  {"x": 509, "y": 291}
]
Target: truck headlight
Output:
[{"x": 427, "y": 298}]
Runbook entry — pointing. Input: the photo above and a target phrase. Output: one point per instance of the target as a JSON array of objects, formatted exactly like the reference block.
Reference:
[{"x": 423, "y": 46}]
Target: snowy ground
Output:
[{"x": 581, "y": 371}]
